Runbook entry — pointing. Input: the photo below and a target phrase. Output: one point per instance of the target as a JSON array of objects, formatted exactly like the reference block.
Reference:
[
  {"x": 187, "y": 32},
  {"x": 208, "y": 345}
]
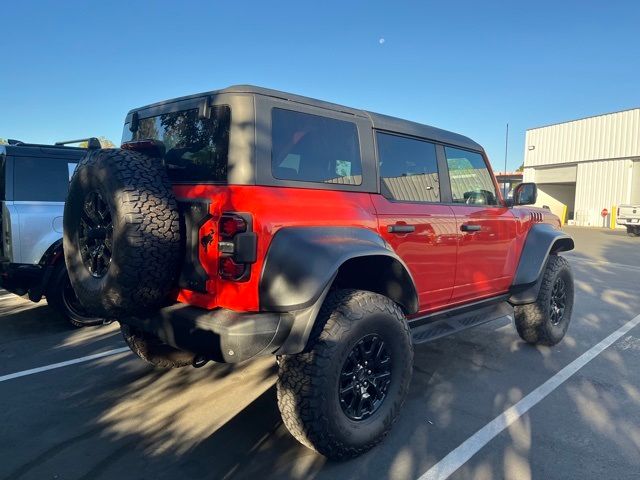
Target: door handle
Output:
[
  {"x": 465, "y": 227},
  {"x": 401, "y": 228}
]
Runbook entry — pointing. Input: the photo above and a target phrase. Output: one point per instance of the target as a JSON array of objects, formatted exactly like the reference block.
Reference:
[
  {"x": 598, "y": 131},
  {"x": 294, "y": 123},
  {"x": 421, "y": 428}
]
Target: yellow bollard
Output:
[
  {"x": 614, "y": 217},
  {"x": 563, "y": 219}
]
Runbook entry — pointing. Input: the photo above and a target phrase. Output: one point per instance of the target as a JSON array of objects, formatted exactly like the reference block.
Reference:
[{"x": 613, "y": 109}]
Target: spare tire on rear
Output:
[{"x": 121, "y": 233}]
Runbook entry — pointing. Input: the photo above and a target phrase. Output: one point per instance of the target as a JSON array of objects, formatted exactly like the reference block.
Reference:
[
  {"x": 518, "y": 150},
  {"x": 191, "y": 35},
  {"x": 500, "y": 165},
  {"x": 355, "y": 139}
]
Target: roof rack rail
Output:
[{"x": 92, "y": 143}]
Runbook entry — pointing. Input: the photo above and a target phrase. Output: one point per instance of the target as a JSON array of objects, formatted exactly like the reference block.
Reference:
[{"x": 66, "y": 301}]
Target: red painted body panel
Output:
[
  {"x": 429, "y": 252},
  {"x": 449, "y": 267},
  {"x": 271, "y": 208},
  {"x": 488, "y": 258}
]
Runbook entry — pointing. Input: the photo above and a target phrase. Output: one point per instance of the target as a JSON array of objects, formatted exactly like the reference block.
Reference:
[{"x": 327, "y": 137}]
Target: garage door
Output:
[{"x": 564, "y": 174}]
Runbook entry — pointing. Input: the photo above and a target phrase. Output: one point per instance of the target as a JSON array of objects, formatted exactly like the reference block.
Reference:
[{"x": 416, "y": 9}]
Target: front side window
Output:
[
  {"x": 408, "y": 169},
  {"x": 311, "y": 148},
  {"x": 194, "y": 149},
  {"x": 471, "y": 182}
]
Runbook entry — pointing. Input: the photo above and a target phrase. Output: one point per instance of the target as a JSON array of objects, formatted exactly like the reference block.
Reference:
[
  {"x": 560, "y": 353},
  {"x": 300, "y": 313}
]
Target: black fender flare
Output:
[
  {"x": 542, "y": 240},
  {"x": 302, "y": 263},
  {"x": 49, "y": 261},
  {"x": 53, "y": 254}
]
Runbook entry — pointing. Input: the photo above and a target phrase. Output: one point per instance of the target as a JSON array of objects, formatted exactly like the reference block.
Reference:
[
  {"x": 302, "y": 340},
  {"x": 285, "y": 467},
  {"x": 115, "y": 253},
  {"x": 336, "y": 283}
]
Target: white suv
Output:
[{"x": 34, "y": 180}]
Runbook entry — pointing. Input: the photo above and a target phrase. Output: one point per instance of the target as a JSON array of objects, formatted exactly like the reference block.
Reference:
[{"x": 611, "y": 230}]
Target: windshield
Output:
[{"x": 195, "y": 149}]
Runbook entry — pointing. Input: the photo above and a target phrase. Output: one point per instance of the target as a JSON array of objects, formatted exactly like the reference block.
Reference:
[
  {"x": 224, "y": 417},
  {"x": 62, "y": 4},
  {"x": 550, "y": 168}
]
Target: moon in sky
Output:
[{"x": 381, "y": 41}]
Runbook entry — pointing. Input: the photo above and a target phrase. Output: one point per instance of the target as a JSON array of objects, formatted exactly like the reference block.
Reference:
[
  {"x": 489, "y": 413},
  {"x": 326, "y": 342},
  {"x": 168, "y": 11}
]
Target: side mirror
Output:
[{"x": 525, "y": 194}]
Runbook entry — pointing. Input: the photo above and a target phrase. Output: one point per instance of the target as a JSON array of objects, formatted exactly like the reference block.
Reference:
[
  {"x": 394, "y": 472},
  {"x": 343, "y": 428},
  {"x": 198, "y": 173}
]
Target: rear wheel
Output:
[
  {"x": 62, "y": 298},
  {"x": 341, "y": 396},
  {"x": 633, "y": 231},
  {"x": 546, "y": 320},
  {"x": 152, "y": 350}
]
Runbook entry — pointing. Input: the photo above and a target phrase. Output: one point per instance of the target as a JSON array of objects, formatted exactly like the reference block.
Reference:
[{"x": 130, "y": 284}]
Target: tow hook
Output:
[{"x": 199, "y": 361}]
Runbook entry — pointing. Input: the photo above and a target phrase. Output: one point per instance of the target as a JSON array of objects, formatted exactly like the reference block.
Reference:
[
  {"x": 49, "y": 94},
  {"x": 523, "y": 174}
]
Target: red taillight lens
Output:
[
  {"x": 236, "y": 247},
  {"x": 230, "y": 225},
  {"x": 231, "y": 270}
]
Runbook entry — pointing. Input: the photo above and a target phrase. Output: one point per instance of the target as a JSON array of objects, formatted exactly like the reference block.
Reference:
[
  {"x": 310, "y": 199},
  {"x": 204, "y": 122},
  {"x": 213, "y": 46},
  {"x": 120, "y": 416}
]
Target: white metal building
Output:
[{"x": 584, "y": 166}]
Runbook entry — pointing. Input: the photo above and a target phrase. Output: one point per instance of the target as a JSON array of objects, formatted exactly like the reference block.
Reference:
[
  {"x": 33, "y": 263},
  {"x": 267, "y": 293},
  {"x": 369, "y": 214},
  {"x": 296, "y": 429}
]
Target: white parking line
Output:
[
  {"x": 53, "y": 366},
  {"x": 458, "y": 457}
]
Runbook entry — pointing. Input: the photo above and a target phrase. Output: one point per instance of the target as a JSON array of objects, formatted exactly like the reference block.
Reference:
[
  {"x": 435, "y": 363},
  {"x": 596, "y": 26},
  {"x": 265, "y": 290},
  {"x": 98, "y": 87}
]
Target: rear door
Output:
[
  {"x": 486, "y": 228},
  {"x": 413, "y": 219},
  {"x": 40, "y": 186}
]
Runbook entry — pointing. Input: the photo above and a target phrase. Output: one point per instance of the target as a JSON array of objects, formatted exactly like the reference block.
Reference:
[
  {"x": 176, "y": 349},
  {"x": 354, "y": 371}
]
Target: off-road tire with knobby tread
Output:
[
  {"x": 58, "y": 297},
  {"x": 307, "y": 386},
  {"x": 152, "y": 350},
  {"x": 533, "y": 321},
  {"x": 146, "y": 248}
]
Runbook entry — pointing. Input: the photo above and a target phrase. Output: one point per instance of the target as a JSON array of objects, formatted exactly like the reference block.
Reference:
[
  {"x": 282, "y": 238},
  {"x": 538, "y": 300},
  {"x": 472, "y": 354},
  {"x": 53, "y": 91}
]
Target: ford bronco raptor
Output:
[
  {"x": 246, "y": 222},
  {"x": 34, "y": 180}
]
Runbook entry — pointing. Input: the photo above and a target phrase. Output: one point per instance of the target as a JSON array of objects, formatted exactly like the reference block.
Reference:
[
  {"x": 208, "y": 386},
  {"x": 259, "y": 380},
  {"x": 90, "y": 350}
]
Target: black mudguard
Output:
[
  {"x": 543, "y": 240},
  {"x": 302, "y": 261}
]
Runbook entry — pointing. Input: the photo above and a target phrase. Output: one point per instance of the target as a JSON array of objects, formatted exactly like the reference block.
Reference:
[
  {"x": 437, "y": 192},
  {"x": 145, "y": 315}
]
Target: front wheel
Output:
[
  {"x": 341, "y": 396},
  {"x": 62, "y": 298},
  {"x": 546, "y": 321}
]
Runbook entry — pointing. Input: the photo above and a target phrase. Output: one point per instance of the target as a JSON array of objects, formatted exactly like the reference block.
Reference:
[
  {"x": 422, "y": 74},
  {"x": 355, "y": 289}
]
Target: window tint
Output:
[
  {"x": 408, "y": 169},
  {"x": 41, "y": 179},
  {"x": 311, "y": 148},
  {"x": 195, "y": 149},
  {"x": 471, "y": 182}
]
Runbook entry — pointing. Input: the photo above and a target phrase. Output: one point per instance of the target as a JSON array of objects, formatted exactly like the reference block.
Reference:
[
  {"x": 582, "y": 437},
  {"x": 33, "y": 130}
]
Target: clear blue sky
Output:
[{"x": 72, "y": 69}]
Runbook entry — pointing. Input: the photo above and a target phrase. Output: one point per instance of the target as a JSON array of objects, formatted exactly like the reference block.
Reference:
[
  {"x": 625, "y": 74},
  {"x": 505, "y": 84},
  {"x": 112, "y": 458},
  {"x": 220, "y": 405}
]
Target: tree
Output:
[
  {"x": 3, "y": 141},
  {"x": 106, "y": 143},
  {"x": 520, "y": 168}
]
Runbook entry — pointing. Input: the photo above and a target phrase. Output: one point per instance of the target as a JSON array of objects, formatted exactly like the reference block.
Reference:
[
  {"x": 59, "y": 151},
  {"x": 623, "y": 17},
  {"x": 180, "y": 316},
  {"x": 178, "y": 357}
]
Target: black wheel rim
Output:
[
  {"x": 558, "y": 300},
  {"x": 71, "y": 302},
  {"x": 95, "y": 236},
  {"x": 365, "y": 378}
]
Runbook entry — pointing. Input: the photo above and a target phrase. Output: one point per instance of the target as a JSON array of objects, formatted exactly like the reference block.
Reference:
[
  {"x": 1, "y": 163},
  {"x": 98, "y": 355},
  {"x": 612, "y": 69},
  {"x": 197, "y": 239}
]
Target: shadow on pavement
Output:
[{"x": 116, "y": 418}]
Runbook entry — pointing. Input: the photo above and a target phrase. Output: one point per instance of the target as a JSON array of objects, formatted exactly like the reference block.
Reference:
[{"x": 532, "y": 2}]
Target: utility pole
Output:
[{"x": 506, "y": 149}]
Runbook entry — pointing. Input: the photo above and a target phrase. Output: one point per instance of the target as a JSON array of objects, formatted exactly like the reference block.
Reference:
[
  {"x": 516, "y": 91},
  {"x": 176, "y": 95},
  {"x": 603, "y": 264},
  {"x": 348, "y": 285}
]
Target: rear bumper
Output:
[
  {"x": 219, "y": 335},
  {"x": 20, "y": 278},
  {"x": 630, "y": 222}
]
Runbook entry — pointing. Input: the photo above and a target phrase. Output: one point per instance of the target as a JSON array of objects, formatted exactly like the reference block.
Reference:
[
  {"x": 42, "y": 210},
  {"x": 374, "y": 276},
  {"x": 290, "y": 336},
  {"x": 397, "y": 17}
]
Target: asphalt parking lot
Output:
[{"x": 114, "y": 417}]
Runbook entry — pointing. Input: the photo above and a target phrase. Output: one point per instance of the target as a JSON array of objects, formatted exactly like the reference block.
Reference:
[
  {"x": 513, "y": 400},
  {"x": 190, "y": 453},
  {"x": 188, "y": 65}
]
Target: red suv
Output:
[{"x": 247, "y": 222}]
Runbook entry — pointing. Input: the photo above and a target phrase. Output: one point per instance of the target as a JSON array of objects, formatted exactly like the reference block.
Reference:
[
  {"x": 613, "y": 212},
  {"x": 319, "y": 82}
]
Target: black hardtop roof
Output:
[
  {"x": 379, "y": 121},
  {"x": 38, "y": 150}
]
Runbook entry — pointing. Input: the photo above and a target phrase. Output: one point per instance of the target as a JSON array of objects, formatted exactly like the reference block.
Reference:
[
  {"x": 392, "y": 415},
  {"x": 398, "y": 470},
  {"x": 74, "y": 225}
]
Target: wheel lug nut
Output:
[
  {"x": 369, "y": 372},
  {"x": 354, "y": 377}
]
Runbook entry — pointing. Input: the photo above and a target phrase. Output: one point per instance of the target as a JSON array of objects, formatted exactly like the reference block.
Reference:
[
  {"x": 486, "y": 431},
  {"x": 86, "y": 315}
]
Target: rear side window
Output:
[
  {"x": 471, "y": 181},
  {"x": 41, "y": 179},
  {"x": 311, "y": 148},
  {"x": 195, "y": 149},
  {"x": 408, "y": 169}
]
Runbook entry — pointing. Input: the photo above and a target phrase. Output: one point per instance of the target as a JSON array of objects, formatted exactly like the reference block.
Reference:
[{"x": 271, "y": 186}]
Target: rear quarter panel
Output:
[
  {"x": 271, "y": 209},
  {"x": 35, "y": 227}
]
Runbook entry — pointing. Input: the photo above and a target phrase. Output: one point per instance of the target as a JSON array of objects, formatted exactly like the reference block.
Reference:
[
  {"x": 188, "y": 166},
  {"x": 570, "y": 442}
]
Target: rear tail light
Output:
[
  {"x": 231, "y": 225},
  {"x": 237, "y": 247},
  {"x": 231, "y": 270}
]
